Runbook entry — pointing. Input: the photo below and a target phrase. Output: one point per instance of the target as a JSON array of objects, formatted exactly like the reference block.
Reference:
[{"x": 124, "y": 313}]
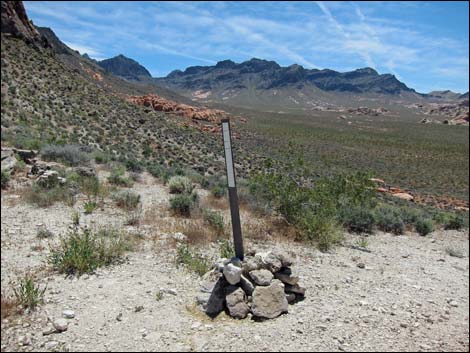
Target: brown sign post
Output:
[{"x": 232, "y": 190}]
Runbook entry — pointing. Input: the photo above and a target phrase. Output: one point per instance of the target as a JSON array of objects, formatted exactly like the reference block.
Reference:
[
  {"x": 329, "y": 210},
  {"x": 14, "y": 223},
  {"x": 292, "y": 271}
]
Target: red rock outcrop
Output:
[
  {"x": 197, "y": 115},
  {"x": 164, "y": 105}
]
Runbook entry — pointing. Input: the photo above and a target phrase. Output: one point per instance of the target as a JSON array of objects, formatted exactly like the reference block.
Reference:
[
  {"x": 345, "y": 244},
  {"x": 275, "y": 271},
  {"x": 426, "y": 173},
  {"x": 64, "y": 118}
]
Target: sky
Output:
[{"x": 424, "y": 44}]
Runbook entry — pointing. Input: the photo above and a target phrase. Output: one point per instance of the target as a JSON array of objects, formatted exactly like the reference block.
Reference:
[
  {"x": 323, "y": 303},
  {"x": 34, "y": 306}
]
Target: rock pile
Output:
[
  {"x": 368, "y": 111},
  {"x": 261, "y": 286}
]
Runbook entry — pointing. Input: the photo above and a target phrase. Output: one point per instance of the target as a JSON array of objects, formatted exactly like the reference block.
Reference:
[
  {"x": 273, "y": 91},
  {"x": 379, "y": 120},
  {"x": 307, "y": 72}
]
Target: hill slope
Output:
[{"x": 51, "y": 94}]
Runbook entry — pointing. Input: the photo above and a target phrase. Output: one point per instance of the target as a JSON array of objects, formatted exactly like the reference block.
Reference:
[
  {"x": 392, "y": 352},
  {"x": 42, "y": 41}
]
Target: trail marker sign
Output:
[{"x": 232, "y": 190}]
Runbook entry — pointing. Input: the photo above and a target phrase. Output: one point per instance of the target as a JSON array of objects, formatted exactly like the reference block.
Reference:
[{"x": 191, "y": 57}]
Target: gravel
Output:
[{"x": 394, "y": 303}]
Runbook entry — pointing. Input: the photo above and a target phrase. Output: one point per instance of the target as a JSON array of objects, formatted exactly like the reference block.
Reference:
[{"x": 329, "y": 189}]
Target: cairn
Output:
[{"x": 260, "y": 286}]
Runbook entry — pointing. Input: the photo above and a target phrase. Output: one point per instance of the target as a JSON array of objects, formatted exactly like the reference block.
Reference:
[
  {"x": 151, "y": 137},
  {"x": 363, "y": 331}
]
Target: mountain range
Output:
[{"x": 263, "y": 83}]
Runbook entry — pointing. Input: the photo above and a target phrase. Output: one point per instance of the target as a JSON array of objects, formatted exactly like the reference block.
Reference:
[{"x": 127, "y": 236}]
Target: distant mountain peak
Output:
[
  {"x": 367, "y": 70},
  {"x": 225, "y": 64},
  {"x": 125, "y": 67}
]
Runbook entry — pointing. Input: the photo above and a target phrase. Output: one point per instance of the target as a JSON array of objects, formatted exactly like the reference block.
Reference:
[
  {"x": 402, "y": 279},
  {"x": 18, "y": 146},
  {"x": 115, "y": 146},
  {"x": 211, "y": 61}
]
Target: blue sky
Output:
[{"x": 424, "y": 44}]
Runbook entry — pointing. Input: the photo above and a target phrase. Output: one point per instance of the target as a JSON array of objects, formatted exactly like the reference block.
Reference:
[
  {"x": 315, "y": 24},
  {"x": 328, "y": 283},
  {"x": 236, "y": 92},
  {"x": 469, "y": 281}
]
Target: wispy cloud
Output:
[{"x": 336, "y": 35}]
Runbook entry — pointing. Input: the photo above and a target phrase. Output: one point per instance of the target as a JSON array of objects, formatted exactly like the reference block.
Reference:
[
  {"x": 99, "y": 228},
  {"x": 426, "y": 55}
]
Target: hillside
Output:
[{"x": 57, "y": 97}]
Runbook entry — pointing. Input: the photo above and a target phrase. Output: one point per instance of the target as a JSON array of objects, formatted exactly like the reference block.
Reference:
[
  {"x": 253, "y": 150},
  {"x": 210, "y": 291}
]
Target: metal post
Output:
[{"x": 232, "y": 190}]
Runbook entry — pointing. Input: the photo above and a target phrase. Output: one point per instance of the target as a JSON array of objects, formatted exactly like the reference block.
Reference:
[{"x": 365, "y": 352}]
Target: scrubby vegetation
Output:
[
  {"x": 182, "y": 204},
  {"x": 126, "y": 199},
  {"x": 83, "y": 252},
  {"x": 117, "y": 178},
  {"x": 193, "y": 261},
  {"x": 72, "y": 155},
  {"x": 45, "y": 197},
  {"x": 5, "y": 178},
  {"x": 180, "y": 185},
  {"x": 424, "y": 226},
  {"x": 28, "y": 294},
  {"x": 227, "y": 250},
  {"x": 215, "y": 220}
]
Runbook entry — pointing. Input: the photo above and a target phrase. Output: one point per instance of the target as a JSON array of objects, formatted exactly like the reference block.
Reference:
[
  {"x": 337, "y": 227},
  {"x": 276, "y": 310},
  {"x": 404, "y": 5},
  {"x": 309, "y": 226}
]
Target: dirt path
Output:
[{"x": 410, "y": 296}]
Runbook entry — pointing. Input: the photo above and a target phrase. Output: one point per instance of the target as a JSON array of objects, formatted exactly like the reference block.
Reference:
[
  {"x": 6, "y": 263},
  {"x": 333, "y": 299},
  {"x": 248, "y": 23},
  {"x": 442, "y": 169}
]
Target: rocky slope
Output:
[{"x": 51, "y": 94}]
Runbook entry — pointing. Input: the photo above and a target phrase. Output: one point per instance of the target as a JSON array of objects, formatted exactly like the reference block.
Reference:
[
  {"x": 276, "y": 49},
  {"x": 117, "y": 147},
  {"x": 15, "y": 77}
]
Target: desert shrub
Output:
[
  {"x": 388, "y": 219},
  {"x": 75, "y": 218},
  {"x": 362, "y": 242},
  {"x": 322, "y": 229},
  {"x": 196, "y": 177},
  {"x": 91, "y": 186},
  {"x": 182, "y": 204},
  {"x": 133, "y": 165},
  {"x": 45, "y": 197},
  {"x": 193, "y": 261},
  {"x": 410, "y": 215},
  {"x": 454, "y": 221},
  {"x": 84, "y": 252},
  {"x": 101, "y": 157},
  {"x": 44, "y": 233},
  {"x": 90, "y": 206},
  {"x": 358, "y": 220},
  {"x": 5, "y": 178},
  {"x": 28, "y": 294},
  {"x": 180, "y": 185},
  {"x": 313, "y": 205},
  {"x": 227, "y": 250},
  {"x": 215, "y": 220},
  {"x": 117, "y": 178},
  {"x": 69, "y": 154},
  {"x": 218, "y": 191},
  {"x": 424, "y": 226},
  {"x": 128, "y": 200},
  {"x": 158, "y": 171}
]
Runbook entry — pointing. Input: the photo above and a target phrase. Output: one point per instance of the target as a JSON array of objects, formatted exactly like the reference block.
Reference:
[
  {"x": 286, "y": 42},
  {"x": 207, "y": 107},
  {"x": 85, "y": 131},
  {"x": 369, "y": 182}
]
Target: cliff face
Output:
[{"x": 16, "y": 23}]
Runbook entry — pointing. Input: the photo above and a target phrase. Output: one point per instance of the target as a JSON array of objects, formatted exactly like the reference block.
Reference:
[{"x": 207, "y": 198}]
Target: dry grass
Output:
[
  {"x": 9, "y": 305},
  {"x": 220, "y": 203}
]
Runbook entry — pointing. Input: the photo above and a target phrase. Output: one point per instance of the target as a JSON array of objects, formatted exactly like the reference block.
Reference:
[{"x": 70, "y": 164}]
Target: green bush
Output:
[
  {"x": 193, "y": 261},
  {"x": 5, "y": 178},
  {"x": 410, "y": 215},
  {"x": 313, "y": 204},
  {"x": 69, "y": 154},
  {"x": 218, "y": 191},
  {"x": 81, "y": 253},
  {"x": 358, "y": 220},
  {"x": 180, "y": 185},
  {"x": 183, "y": 203},
  {"x": 388, "y": 219},
  {"x": 133, "y": 165},
  {"x": 128, "y": 200},
  {"x": 117, "y": 178},
  {"x": 90, "y": 206},
  {"x": 44, "y": 233},
  {"x": 101, "y": 157},
  {"x": 28, "y": 294},
  {"x": 454, "y": 221},
  {"x": 424, "y": 226},
  {"x": 227, "y": 250},
  {"x": 215, "y": 220}
]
